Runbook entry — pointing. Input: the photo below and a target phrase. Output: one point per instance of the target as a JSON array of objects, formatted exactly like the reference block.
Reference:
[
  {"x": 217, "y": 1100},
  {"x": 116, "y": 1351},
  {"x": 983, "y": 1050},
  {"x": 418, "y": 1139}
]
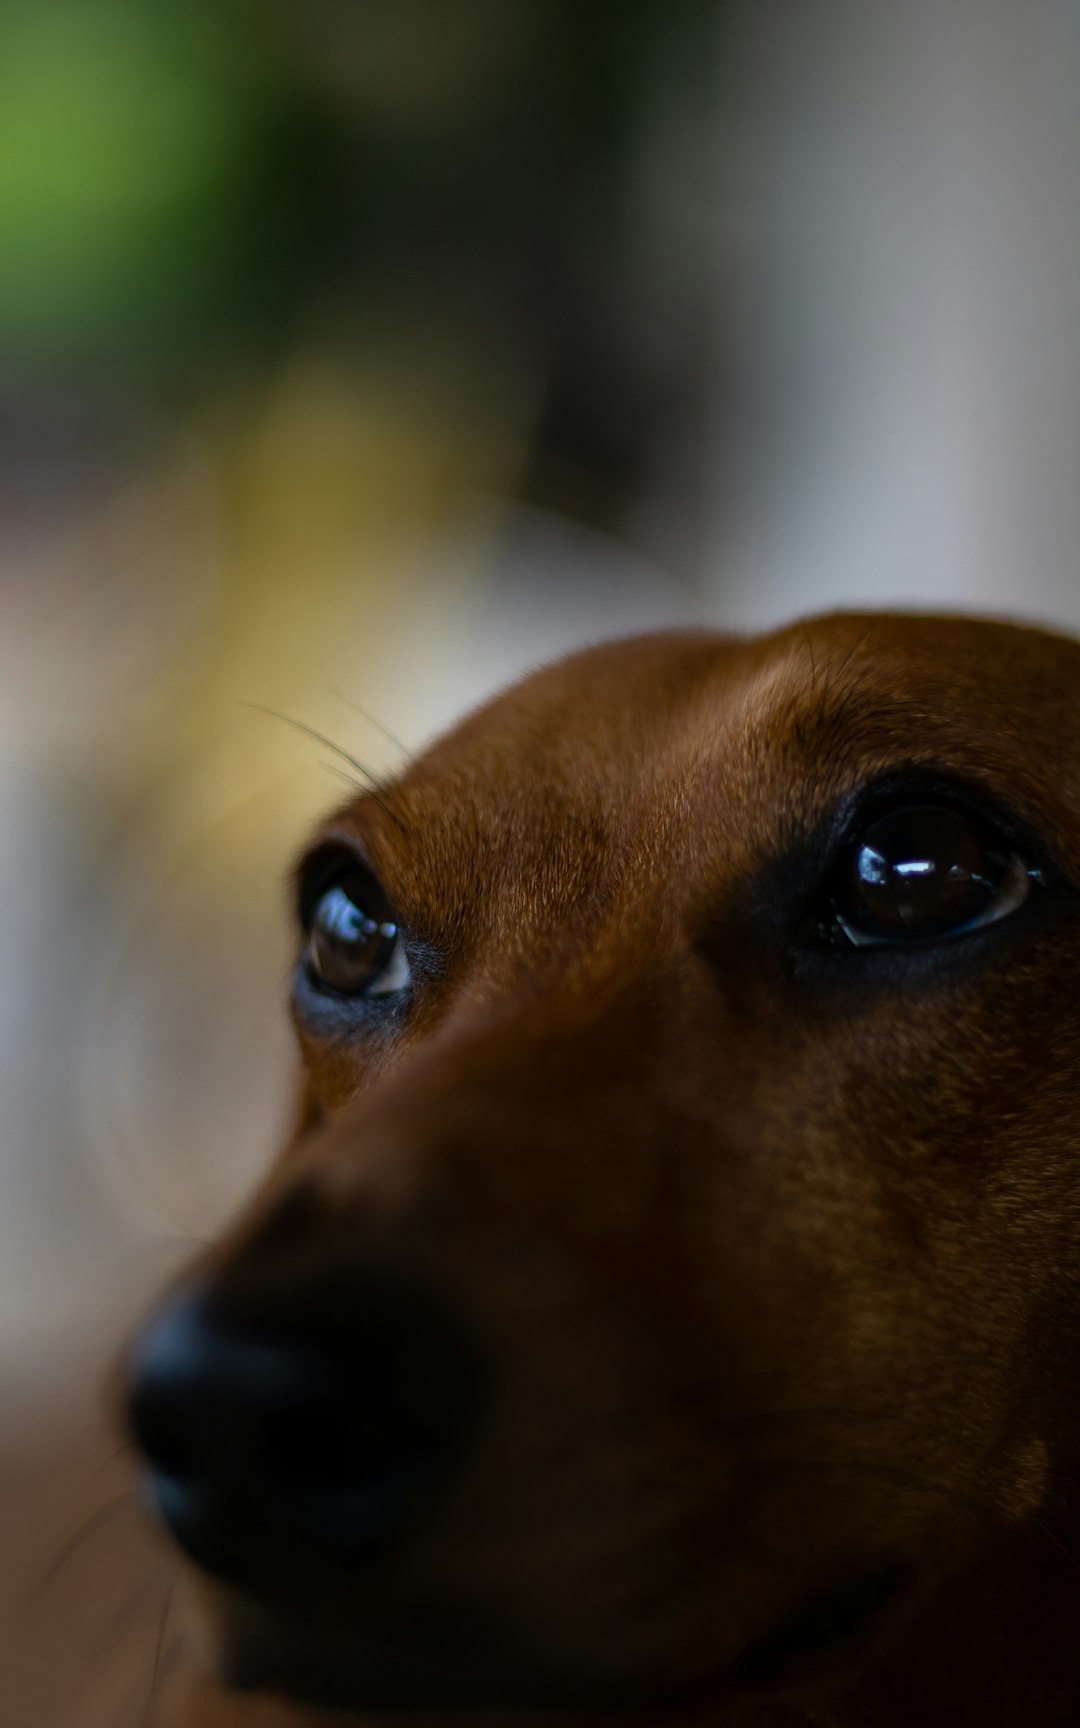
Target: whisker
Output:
[
  {"x": 97, "y": 1521},
  {"x": 130, "y": 1606},
  {"x": 343, "y": 774},
  {"x": 1052, "y": 1536},
  {"x": 370, "y": 780},
  {"x": 163, "y": 1623},
  {"x": 175, "y": 1647},
  {"x": 364, "y": 713},
  {"x": 128, "y": 1446}
]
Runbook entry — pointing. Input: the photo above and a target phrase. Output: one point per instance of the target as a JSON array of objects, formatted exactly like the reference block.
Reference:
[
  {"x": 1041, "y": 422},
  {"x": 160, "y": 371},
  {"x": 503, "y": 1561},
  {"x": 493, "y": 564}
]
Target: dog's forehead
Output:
[
  {"x": 724, "y": 749},
  {"x": 643, "y": 718}
]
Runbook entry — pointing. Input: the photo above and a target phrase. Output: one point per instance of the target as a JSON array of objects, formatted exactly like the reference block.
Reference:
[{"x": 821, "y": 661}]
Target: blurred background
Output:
[{"x": 356, "y": 355}]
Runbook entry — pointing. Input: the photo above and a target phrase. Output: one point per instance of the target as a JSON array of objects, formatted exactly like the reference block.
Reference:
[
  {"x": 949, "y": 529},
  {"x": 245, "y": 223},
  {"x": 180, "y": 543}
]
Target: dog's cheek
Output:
[
  {"x": 310, "y": 1113},
  {"x": 968, "y": 1211},
  {"x": 335, "y": 1072}
]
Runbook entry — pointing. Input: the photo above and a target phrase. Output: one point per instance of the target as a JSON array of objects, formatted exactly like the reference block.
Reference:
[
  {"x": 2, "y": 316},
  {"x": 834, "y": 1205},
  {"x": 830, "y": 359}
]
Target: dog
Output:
[{"x": 668, "y": 1308}]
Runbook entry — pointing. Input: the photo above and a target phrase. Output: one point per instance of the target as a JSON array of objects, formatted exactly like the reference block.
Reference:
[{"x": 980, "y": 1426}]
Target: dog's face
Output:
[{"x": 673, "y": 1281}]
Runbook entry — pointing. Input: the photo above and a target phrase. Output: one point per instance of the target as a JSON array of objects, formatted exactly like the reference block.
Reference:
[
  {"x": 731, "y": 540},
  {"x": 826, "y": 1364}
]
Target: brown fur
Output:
[{"x": 779, "y": 1262}]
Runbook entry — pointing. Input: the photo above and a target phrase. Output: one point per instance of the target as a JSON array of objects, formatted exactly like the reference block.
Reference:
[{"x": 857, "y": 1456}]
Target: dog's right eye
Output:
[
  {"x": 924, "y": 873},
  {"x": 354, "y": 945}
]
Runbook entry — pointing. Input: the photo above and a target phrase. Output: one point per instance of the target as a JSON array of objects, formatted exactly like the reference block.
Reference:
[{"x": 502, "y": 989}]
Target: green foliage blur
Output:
[
  {"x": 133, "y": 140},
  {"x": 189, "y": 184}
]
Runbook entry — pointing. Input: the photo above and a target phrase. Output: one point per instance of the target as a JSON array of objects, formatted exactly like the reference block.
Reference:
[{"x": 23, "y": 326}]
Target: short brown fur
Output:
[{"x": 779, "y": 1261}]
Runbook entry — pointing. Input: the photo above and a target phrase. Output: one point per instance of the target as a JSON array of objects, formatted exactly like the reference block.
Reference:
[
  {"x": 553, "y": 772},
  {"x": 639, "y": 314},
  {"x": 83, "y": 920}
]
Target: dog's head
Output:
[{"x": 674, "y": 1280}]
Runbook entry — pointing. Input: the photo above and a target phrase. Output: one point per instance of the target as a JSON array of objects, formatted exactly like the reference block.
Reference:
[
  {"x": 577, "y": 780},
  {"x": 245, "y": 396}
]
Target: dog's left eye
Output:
[
  {"x": 354, "y": 944},
  {"x": 924, "y": 873}
]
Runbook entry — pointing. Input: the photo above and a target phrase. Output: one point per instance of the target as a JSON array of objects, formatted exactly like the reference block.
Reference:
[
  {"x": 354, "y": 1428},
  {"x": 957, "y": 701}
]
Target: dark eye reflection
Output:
[
  {"x": 354, "y": 945},
  {"x": 924, "y": 872}
]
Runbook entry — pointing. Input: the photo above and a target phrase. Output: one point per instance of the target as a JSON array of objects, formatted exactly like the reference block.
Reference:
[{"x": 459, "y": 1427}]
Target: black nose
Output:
[{"x": 283, "y": 1447}]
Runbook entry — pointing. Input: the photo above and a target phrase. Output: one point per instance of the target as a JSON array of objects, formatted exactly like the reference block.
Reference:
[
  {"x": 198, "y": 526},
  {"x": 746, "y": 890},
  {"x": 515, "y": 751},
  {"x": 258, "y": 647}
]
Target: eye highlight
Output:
[
  {"x": 923, "y": 873},
  {"x": 354, "y": 945}
]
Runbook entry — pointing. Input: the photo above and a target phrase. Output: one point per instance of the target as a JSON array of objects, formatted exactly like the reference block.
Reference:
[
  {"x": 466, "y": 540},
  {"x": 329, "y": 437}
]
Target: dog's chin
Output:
[
  {"x": 432, "y": 1667},
  {"x": 387, "y": 1679}
]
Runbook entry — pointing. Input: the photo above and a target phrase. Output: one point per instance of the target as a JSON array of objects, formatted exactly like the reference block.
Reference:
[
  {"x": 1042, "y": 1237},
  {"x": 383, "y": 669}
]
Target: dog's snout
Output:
[{"x": 288, "y": 1441}]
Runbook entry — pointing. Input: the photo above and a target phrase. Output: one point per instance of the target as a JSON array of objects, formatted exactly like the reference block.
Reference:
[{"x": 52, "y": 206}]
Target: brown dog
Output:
[{"x": 670, "y": 1308}]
